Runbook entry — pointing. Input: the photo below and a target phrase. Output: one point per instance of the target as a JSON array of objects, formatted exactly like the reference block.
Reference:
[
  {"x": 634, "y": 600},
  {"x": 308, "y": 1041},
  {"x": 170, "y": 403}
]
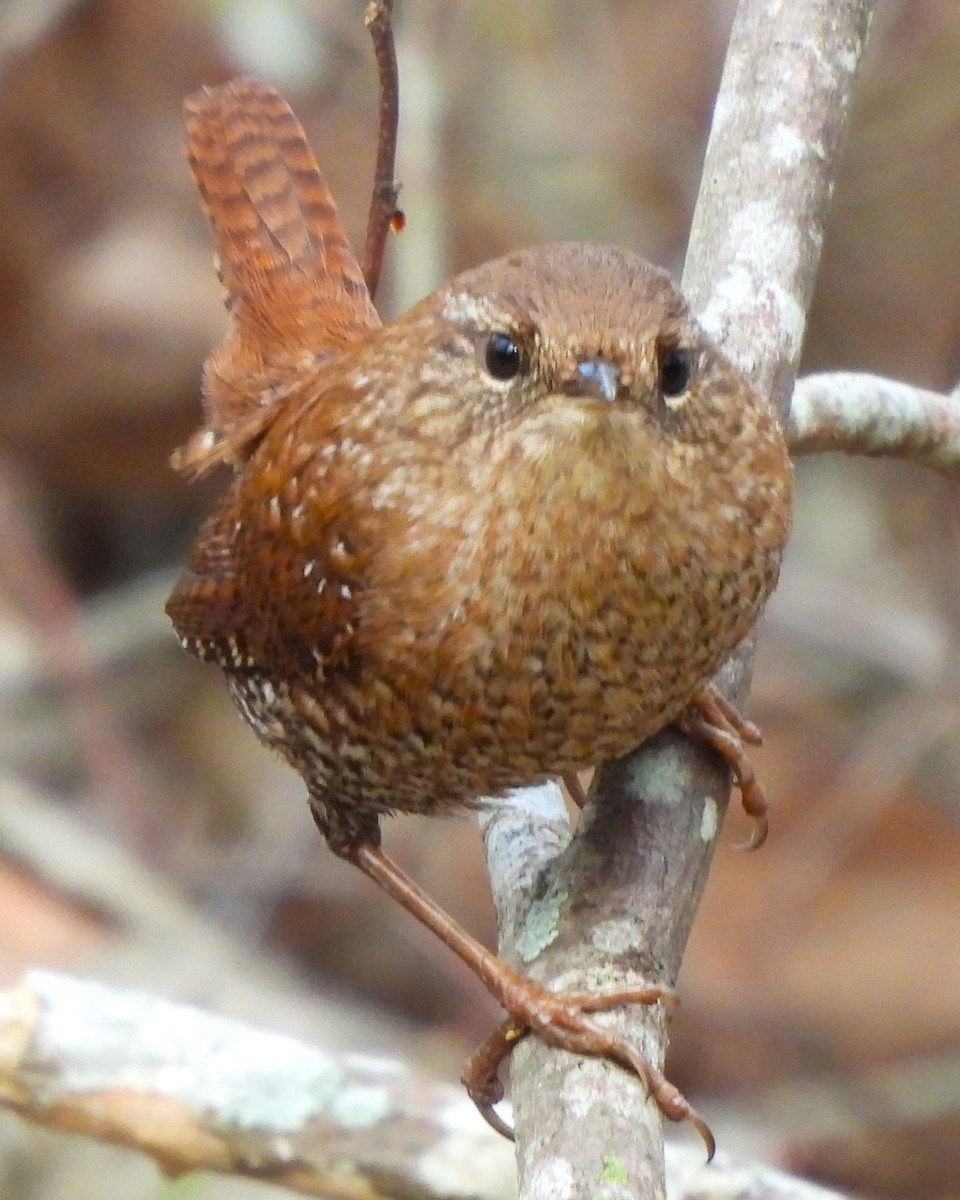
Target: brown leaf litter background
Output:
[{"x": 146, "y": 839}]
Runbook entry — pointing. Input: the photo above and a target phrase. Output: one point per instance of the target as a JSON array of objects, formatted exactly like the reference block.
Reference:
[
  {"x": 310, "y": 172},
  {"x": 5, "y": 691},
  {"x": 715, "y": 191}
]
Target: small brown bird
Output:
[{"x": 505, "y": 536}]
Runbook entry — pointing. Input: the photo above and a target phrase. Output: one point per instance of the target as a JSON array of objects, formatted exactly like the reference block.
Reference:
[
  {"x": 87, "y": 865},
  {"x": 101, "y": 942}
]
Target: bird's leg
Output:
[
  {"x": 571, "y": 781},
  {"x": 711, "y": 718},
  {"x": 560, "y": 1018}
]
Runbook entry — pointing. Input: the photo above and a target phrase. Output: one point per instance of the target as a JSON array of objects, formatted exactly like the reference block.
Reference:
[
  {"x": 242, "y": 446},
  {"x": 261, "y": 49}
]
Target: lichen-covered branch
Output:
[
  {"x": 619, "y": 900},
  {"x": 856, "y": 413},
  {"x": 199, "y": 1092},
  {"x": 726, "y": 1179}
]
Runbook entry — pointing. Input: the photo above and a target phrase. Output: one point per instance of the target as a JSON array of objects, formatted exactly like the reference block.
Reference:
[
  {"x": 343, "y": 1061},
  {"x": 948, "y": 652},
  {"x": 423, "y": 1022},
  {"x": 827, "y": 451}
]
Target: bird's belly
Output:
[{"x": 452, "y": 720}]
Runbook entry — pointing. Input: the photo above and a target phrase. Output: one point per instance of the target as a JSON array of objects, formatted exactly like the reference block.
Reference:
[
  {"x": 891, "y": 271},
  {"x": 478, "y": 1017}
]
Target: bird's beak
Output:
[{"x": 598, "y": 377}]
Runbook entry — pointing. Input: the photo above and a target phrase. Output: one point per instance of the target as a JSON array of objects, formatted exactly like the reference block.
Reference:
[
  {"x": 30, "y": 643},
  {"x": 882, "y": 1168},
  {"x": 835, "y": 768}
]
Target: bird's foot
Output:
[
  {"x": 561, "y": 1019},
  {"x": 711, "y": 718}
]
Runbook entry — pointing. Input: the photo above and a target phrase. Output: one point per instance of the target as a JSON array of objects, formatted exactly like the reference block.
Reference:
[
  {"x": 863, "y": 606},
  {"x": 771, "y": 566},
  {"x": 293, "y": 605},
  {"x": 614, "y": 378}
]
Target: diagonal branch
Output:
[
  {"x": 200, "y": 1092},
  {"x": 619, "y": 900}
]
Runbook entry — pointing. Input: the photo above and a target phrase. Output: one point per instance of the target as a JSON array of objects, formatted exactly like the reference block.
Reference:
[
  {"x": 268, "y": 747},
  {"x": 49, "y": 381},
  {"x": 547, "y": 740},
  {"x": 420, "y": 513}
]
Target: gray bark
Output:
[{"x": 618, "y": 901}]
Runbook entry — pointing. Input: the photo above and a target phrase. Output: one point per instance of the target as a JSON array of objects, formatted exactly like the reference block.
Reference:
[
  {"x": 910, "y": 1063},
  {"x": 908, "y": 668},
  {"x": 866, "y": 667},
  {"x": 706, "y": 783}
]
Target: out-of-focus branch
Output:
[
  {"x": 619, "y": 900},
  {"x": 51, "y": 609},
  {"x": 23, "y": 25},
  {"x": 199, "y": 1092},
  {"x": 856, "y": 413}
]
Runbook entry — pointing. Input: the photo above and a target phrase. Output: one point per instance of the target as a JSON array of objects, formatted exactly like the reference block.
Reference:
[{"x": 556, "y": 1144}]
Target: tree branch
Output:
[
  {"x": 199, "y": 1092},
  {"x": 865, "y": 414},
  {"x": 618, "y": 901}
]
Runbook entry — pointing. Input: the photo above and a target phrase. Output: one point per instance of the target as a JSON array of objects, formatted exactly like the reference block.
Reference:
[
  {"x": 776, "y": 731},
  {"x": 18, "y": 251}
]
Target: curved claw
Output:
[
  {"x": 754, "y": 804},
  {"x": 667, "y": 1096},
  {"x": 481, "y": 1073},
  {"x": 677, "y": 1107},
  {"x": 496, "y": 1122}
]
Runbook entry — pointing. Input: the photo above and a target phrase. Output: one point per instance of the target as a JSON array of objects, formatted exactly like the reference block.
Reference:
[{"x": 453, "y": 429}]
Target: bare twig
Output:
[
  {"x": 620, "y": 899},
  {"x": 865, "y": 414},
  {"x": 198, "y": 1092},
  {"x": 384, "y": 214}
]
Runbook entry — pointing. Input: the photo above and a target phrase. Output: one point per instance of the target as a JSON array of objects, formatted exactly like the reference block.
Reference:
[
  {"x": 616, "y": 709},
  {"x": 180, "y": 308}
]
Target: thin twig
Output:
[{"x": 384, "y": 214}]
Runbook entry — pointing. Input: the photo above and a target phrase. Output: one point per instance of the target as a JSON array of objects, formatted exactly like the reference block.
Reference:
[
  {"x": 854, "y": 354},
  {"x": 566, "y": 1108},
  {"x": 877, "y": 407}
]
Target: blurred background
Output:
[{"x": 145, "y": 837}]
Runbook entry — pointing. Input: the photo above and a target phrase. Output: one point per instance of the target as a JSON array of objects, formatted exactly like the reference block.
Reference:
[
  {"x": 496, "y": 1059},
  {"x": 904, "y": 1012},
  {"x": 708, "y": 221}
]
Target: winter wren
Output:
[{"x": 505, "y": 536}]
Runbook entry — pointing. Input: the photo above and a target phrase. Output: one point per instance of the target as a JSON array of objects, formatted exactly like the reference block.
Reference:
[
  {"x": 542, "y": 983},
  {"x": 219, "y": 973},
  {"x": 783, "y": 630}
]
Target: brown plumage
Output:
[
  {"x": 505, "y": 536},
  {"x": 293, "y": 287}
]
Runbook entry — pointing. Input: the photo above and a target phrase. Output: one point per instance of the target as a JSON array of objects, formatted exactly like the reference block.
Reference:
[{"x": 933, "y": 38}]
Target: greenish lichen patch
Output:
[
  {"x": 613, "y": 1170},
  {"x": 540, "y": 927},
  {"x": 664, "y": 772}
]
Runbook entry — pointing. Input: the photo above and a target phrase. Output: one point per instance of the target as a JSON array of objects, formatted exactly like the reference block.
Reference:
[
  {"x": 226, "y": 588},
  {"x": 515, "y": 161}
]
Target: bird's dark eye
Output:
[
  {"x": 502, "y": 356},
  {"x": 676, "y": 367}
]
